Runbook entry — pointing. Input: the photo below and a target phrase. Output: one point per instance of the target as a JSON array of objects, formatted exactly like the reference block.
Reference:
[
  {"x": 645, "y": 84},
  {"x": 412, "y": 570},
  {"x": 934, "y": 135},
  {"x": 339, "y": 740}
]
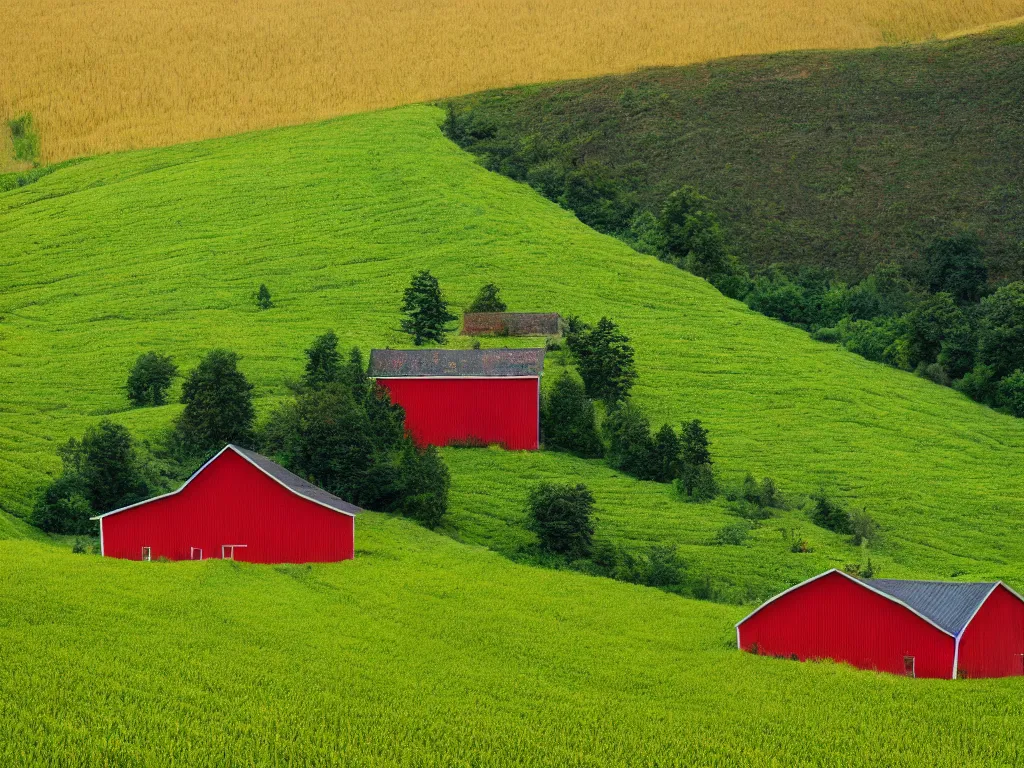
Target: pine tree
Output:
[
  {"x": 218, "y": 405},
  {"x": 568, "y": 419},
  {"x": 604, "y": 358},
  {"x": 630, "y": 446},
  {"x": 425, "y": 482},
  {"x": 323, "y": 362},
  {"x": 695, "y": 456},
  {"x": 426, "y": 311},
  {"x": 262, "y": 297},
  {"x": 487, "y": 300},
  {"x": 667, "y": 447},
  {"x": 562, "y": 518}
]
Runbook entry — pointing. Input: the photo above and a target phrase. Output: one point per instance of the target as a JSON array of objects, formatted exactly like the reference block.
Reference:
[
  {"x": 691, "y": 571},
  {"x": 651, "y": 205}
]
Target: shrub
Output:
[
  {"x": 562, "y": 518},
  {"x": 487, "y": 300},
  {"x": 1001, "y": 330},
  {"x": 78, "y": 548},
  {"x": 603, "y": 357},
  {"x": 262, "y": 297},
  {"x": 218, "y": 405},
  {"x": 733, "y": 534},
  {"x": 150, "y": 378},
  {"x": 664, "y": 567},
  {"x": 1011, "y": 392},
  {"x": 827, "y": 335},
  {"x": 980, "y": 384},
  {"x": 864, "y": 528},
  {"x": 692, "y": 236},
  {"x": 955, "y": 265},
  {"x": 704, "y": 485},
  {"x": 769, "y": 494},
  {"x": 426, "y": 312},
  {"x": 568, "y": 419},
  {"x": 829, "y": 514},
  {"x": 24, "y": 138}
]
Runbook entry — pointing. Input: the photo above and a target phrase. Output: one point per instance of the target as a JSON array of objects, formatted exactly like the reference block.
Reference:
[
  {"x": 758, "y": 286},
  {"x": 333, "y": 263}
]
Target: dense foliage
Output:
[
  {"x": 102, "y": 472},
  {"x": 604, "y": 358},
  {"x": 562, "y": 517},
  {"x": 150, "y": 378},
  {"x": 568, "y": 420}
]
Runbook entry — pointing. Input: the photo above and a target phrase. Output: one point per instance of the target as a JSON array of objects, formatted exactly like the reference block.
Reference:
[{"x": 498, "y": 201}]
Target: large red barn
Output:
[
  {"x": 238, "y": 506},
  {"x": 916, "y": 628},
  {"x": 452, "y": 396}
]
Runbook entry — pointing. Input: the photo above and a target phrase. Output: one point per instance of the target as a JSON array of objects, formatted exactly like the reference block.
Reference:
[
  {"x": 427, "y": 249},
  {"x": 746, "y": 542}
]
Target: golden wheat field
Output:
[{"x": 101, "y": 75}]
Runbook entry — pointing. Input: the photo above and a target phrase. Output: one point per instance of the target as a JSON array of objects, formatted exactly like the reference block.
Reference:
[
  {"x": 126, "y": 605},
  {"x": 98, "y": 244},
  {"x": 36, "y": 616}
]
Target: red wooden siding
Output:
[
  {"x": 992, "y": 645},
  {"x": 834, "y": 617},
  {"x": 494, "y": 410},
  {"x": 231, "y": 502}
]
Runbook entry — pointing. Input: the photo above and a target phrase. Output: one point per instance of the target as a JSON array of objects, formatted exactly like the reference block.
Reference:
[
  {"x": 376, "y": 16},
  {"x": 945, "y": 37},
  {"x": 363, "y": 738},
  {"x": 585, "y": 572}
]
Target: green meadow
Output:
[
  {"x": 426, "y": 652},
  {"x": 162, "y": 249}
]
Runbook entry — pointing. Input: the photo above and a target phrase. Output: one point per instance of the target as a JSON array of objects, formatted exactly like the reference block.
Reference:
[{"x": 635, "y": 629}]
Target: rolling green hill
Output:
[
  {"x": 426, "y": 652},
  {"x": 162, "y": 250},
  {"x": 841, "y": 159}
]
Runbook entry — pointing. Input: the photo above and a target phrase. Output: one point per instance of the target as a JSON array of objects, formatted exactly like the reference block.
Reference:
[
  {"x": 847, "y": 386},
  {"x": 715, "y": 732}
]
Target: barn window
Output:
[
  {"x": 227, "y": 552},
  {"x": 908, "y": 666},
  {"x": 146, "y": 554},
  {"x": 197, "y": 553}
]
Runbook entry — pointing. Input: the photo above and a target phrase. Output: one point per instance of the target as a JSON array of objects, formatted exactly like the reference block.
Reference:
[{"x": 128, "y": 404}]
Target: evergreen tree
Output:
[
  {"x": 323, "y": 362},
  {"x": 568, "y": 419},
  {"x": 426, "y": 311},
  {"x": 666, "y": 454},
  {"x": 830, "y": 514},
  {"x": 487, "y": 300},
  {"x": 604, "y": 358},
  {"x": 218, "y": 405},
  {"x": 630, "y": 446},
  {"x": 562, "y": 518},
  {"x": 150, "y": 379},
  {"x": 262, "y": 297},
  {"x": 425, "y": 481},
  {"x": 695, "y": 455}
]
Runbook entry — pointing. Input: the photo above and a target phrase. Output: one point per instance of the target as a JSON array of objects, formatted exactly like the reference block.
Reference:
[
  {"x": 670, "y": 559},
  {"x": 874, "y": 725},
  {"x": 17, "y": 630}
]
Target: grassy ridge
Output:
[
  {"x": 840, "y": 159},
  {"x": 426, "y": 652},
  {"x": 162, "y": 249}
]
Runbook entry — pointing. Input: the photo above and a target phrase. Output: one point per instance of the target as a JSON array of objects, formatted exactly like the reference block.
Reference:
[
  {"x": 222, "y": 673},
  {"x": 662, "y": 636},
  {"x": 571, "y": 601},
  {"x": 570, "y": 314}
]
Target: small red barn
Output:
[
  {"x": 916, "y": 628},
  {"x": 490, "y": 396},
  {"x": 237, "y": 506}
]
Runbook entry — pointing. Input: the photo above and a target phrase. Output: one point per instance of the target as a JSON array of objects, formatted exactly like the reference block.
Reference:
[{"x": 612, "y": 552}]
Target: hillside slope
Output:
[
  {"x": 101, "y": 76},
  {"x": 426, "y": 652},
  {"x": 162, "y": 249},
  {"x": 840, "y": 159}
]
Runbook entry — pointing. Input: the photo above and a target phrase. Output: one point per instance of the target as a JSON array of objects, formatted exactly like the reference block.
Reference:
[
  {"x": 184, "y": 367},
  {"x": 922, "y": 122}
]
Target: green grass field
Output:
[
  {"x": 426, "y": 652},
  {"x": 162, "y": 250},
  {"x": 842, "y": 159}
]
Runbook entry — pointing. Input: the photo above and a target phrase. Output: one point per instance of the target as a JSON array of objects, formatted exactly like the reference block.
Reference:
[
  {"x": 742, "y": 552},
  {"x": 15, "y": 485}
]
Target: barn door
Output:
[{"x": 908, "y": 666}]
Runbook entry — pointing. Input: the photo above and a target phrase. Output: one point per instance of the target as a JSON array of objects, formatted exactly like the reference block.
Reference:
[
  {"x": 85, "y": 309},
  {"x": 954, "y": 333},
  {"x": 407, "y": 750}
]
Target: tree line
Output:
[{"x": 945, "y": 320}]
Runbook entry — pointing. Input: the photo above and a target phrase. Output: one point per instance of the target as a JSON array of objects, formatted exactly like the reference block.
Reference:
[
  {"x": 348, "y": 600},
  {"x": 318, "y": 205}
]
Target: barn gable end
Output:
[{"x": 238, "y": 505}]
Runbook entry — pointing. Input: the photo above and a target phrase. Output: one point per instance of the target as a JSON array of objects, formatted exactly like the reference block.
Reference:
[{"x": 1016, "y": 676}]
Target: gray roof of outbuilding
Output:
[
  {"x": 296, "y": 483},
  {"x": 389, "y": 363},
  {"x": 949, "y": 604}
]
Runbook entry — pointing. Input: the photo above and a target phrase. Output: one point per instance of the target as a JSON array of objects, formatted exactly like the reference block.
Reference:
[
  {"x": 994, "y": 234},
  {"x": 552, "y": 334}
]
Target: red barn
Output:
[
  {"x": 916, "y": 628},
  {"x": 238, "y": 506},
  {"x": 487, "y": 396}
]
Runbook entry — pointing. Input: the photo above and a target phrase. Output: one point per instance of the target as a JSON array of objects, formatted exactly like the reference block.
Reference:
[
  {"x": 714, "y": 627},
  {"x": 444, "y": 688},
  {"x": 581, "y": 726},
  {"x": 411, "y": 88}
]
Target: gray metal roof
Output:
[
  {"x": 949, "y": 604},
  {"x": 296, "y": 483},
  {"x": 389, "y": 363}
]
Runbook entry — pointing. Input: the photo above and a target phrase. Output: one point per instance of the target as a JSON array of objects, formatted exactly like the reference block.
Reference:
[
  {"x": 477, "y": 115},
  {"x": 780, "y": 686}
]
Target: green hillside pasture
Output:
[
  {"x": 163, "y": 249},
  {"x": 426, "y": 652}
]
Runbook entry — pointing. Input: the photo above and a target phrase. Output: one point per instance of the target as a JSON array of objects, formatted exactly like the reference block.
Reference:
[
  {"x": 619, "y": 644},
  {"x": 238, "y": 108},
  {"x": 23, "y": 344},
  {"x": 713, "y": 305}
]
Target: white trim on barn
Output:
[
  {"x": 855, "y": 581},
  {"x": 208, "y": 463}
]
